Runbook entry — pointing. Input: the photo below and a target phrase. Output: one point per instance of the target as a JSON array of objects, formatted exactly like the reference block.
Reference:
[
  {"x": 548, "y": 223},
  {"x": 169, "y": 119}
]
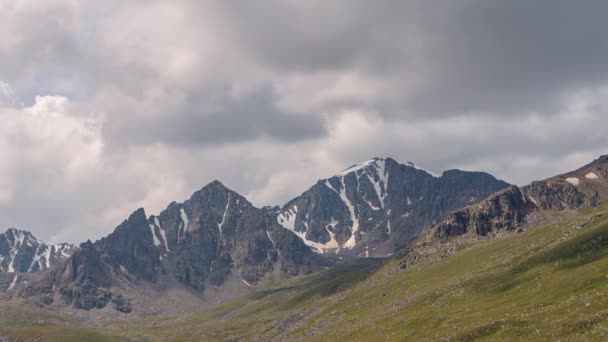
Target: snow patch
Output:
[
  {"x": 573, "y": 180},
  {"x": 591, "y": 175},
  {"x": 123, "y": 269},
  {"x": 351, "y": 242},
  {"x": 221, "y": 224},
  {"x": 533, "y": 200},
  {"x": 246, "y": 283},
  {"x": 356, "y": 167},
  {"x": 371, "y": 205},
  {"x": 162, "y": 233},
  {"x": 156, "y": 240},
  {"x": 35, "y": 259},
  {"x": 14, "y": 245},
  {"x": 184, "y": 218},
  {"x": 270, "y": 238},
  {"x": 61, "y": 249},
  {"x": 287, "y": 220},
  {"x": 13, "y": 283}
]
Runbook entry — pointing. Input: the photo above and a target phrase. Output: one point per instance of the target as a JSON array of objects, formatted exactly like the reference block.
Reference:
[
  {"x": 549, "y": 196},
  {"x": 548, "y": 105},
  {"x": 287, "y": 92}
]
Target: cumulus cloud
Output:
[{"x": 109, "y": 106}]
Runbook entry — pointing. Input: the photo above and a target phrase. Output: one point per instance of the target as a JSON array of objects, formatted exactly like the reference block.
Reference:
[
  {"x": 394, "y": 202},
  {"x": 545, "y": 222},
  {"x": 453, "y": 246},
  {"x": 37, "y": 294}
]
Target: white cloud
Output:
[{"x": 155, "y": 99}]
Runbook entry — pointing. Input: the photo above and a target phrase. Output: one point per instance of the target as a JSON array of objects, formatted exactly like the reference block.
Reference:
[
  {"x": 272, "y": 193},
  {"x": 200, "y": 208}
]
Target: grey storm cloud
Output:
[
  {"x": 114, "y": 105},
  {"x": 251, "y": 117},
  {"x": 440, "y": 58}
]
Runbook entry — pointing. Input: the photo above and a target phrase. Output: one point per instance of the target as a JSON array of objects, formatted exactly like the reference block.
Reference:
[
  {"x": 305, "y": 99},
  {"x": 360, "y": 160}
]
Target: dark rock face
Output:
[
  {"x": 503, "y": 210},
  {"x": 508, "y": 209},
  {"x": 20, "y": 251},
  {"x": 131, "y": 246},
  {"x": 84, "y": 279},
  {"x": 375, "y": 207},
  {"x": 202, "y": 241}
]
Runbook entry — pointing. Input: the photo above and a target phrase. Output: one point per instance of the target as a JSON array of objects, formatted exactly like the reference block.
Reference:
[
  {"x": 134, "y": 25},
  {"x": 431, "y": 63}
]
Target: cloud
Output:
[{"x": 114, "y": 105}]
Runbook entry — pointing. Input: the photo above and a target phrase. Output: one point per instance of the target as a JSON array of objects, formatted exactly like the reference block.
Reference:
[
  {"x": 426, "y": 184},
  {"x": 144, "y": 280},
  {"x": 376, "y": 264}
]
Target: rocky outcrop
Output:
[
  {"x": 377, "y": 206},
  {"x": 130, "y": 247},
  {"x": 503, "y": 210},
  {"x": 214, "y": 234},
  {"x": 21, "y": 252},
  {"x": 509, "y": 209}
]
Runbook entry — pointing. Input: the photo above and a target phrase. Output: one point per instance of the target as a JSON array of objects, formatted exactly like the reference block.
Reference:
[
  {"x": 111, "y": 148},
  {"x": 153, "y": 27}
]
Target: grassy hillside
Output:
[{"x": 548, "y": 283}]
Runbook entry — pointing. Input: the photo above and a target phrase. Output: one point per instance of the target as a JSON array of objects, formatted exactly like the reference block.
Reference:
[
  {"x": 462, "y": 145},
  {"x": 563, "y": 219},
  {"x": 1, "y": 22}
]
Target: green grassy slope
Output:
[
  {"x": 550, "y": 283},
  {"x": 545, "y": 284}
]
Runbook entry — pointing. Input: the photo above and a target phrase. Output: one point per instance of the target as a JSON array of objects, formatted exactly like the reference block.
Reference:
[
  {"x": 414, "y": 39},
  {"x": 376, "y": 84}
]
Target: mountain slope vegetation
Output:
[{"x": 548, "y": 283}]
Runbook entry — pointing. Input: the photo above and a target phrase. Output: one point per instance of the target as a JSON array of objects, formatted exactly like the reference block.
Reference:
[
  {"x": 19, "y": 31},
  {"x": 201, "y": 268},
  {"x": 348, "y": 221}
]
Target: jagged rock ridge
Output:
[
  {"x": 372, "y": 208},
  {"x": 510, "y": 208},
  {"x": 200, "y": 243},
  {"x": 20, "y": 251}
]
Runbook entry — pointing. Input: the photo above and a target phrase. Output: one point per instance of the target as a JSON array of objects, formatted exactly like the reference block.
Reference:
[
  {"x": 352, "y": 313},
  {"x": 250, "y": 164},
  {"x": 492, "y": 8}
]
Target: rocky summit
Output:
[
  {"x": 212, "y": 238},
  {"x": 217, "y": 239},
  {"x": 20, "y": 251},
  {"x": 372, "y": 208},
  {"x": 515, "y": 207},
  {"x": 513, "y": 210}
]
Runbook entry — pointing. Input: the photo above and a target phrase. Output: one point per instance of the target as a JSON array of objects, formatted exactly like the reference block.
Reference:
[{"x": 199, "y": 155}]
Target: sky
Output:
[{"x": 108, "y": 106}]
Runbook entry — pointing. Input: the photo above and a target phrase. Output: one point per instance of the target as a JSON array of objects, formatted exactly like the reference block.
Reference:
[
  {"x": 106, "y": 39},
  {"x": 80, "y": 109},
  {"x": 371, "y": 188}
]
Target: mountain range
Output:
[
  {"x": 216, "y": 245},
  {"x": 20, "y": 251}
]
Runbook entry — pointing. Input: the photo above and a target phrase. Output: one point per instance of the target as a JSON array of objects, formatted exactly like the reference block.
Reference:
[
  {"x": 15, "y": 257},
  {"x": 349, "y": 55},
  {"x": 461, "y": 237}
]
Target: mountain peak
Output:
[
  {"x": 215, "y": 185},
  {"x": 17, "y": 231},
  {"x": 21, "y": 251},
  {"x": 602, "y": 159},
  {"x": 358, "y": 166},
  {"x": 412, "y": 165},
  {"x": 378, "y": 162},
  {"x": 139, "y": 213},
  {"x": 19, "y": 235}
]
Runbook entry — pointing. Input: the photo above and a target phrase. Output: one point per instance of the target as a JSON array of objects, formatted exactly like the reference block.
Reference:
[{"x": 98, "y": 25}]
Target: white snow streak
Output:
[
  {"x": 35, "y": 259},
  {"x": 13, "y": 283},
  {"x": 123, "y": 269},
  {"x": 371, "y": 205},
  {"x": 154, "y": 237},
  {"x": 47, "y": 257},
  {"x": 18, "y": 238},
  {"x": 380, "y": 186},
  {"x": 184, "y": 218},
  {"x": 162, "y": 233},
  {"x": 270, "y": 238},
  {"x": 221, "y": 224},
  {"x": 350, "y": 243}
]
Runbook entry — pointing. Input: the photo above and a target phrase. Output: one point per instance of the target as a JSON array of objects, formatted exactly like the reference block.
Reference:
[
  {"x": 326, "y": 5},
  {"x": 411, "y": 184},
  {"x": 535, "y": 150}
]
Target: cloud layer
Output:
[{"x": 111, "y": 106}]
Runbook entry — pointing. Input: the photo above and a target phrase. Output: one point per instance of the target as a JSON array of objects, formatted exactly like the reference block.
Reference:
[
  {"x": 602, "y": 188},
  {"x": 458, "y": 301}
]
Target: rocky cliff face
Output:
[
  {"x": 513, "y": 209},
  {"x": 373, "y": 208},
  {"x": 20, "y": 251},
  {"x": 217, "y": 236},
  {"x": 199, "y": 243},
  {"x": 510, "y": 208}
]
